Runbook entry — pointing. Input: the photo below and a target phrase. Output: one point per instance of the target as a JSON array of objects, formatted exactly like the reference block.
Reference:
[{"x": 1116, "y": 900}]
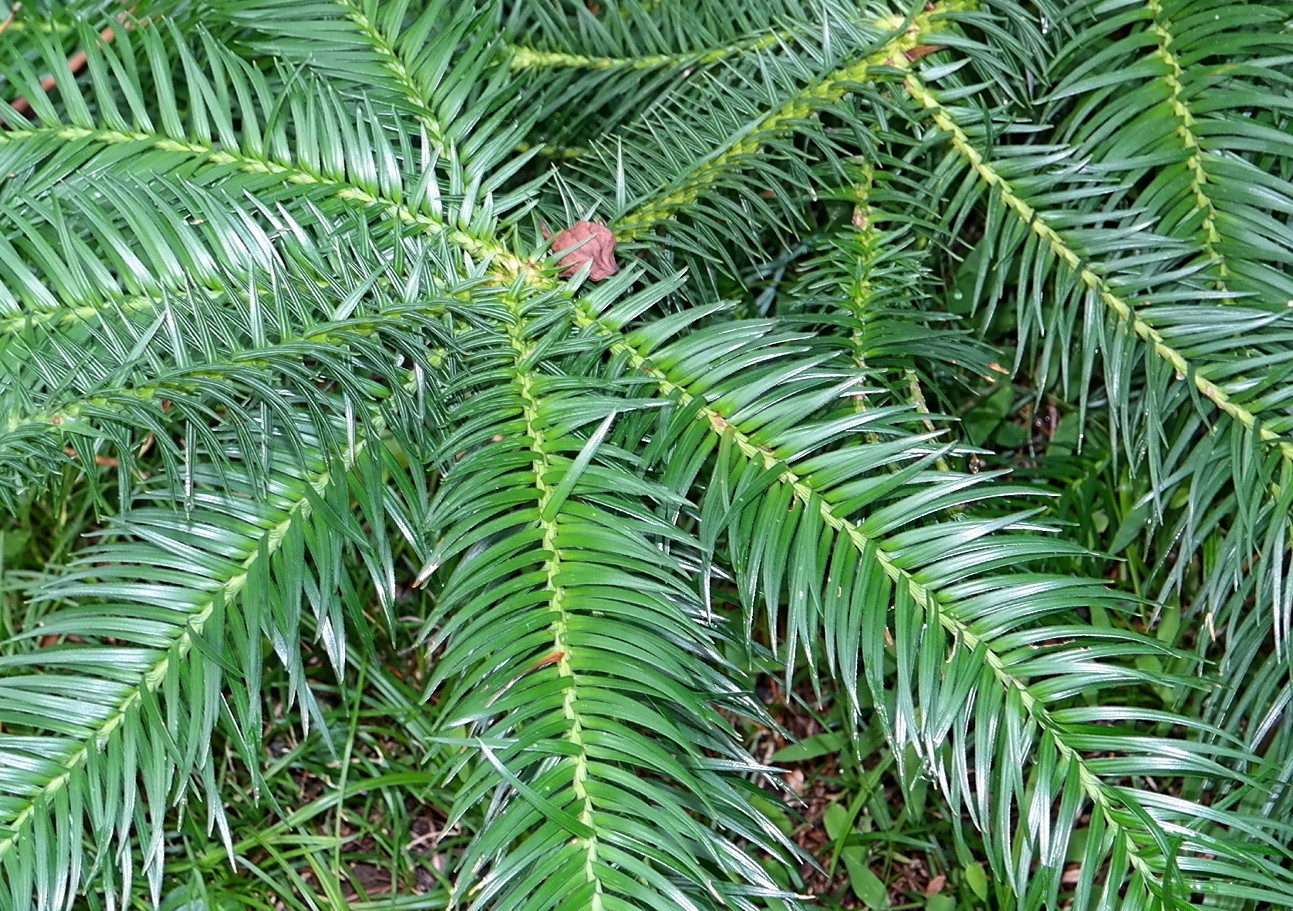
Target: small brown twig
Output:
[{"x": 75, "y": 63}]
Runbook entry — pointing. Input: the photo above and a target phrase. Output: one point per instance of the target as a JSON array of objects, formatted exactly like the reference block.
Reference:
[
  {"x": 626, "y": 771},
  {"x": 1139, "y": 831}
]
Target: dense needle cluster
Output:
[{"x": 931, "y": 360}]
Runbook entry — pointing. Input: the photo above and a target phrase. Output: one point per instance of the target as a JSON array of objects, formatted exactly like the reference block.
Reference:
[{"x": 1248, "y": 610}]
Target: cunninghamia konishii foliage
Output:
[{"x": 278, "y": 335}]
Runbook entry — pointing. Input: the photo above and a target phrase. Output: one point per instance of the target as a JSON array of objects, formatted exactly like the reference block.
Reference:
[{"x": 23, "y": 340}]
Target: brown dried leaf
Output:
[{"x": 588, "y": 242}]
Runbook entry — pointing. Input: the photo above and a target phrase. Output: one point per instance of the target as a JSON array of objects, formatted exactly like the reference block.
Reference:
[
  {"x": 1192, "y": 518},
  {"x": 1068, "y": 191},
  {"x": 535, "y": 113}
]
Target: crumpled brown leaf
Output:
[{"x": 594, "y": 242}]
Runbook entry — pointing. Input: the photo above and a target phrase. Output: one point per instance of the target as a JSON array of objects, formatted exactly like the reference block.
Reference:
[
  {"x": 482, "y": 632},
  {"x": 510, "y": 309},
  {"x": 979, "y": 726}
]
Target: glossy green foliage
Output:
[{"x": 947, "y": 369}]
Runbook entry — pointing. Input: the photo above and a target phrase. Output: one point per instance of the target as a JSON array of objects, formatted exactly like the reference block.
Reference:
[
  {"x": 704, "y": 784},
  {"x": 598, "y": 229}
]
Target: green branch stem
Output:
[
  {"x": 69, "y": 415},
  {"x": 80, "y": 314},
  {"x": 154, "y": 678},
  {"x": 907, "y": 36},
  {"x": 1121, "y": 308},
  {"x": 1185, "y": 130},
  {"x": 480, "y": 248},
  {"x": 415, "y": 93},
  {"x": 542, "y": 468},
  {"x": 527, "y": 58},
  {"x": 1101, "y": 793}
]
